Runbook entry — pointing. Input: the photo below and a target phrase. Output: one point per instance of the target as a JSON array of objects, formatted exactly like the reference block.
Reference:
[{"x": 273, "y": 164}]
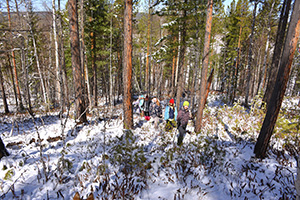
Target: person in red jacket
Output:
[{"x": 183, "y": 118}]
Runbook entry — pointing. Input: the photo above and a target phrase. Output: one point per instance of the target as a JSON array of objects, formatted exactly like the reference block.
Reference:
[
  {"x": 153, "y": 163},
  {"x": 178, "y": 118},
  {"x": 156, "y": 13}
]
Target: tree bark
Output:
[
  {"x": 94, "y": 66},
  {"x": 19, "y": 103},
  {"x": 12, "y": 78},
  {"x": 148, "y": 60},
  {"x": 273, "y": 107},
  {"x": 62, "y": 60},
  {"x": 6, "y": 110},
  {"x": 78, "y": 79},
  {"x": 181, "y": 58},
  {"x": 204, "y": 70},
  {"x": 25, "y": 71},
  {"x": 277, "y": 50},
  {"x": 250, "y": 55},
  {"x": 127, "y": 66},
  {"x": 209, "y": 83}
]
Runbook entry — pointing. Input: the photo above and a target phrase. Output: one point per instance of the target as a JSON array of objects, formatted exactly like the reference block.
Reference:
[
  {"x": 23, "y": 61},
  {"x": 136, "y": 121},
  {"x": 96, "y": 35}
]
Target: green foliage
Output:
[
  {"x": 9, "y": 174},
  {"x": 128, "y": 155}
]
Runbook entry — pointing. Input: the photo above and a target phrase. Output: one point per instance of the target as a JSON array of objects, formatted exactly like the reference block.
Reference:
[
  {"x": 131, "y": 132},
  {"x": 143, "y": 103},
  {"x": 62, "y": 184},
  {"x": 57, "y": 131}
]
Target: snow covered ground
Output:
[{"x": 50, "y": 161}]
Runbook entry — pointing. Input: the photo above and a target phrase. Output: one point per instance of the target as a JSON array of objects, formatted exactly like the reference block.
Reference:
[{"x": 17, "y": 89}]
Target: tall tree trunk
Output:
[
  {"x": 64, "y": 79},
  {"x": 6, "y": 110},
  {"x": 249, "y": 67},
  {"x": 204, "y": 70},
  {"x": 173, "y": 69},
  {"x": 94, "y": 66},
  {"x": 236, "y": 69},
  {"x": 277, "y": 50},
  {"x": 78, "y": 79},
  {"x": 12, "y": 78},
  {"x": 25, "y": 71},
  {"x": 264, "y": 71},
  {"x": 111, "y": 98},
  {"x": 209, "y": 83},
  {"x": 59, "y": 74},
  {"x": 84, "y": 66},
  {"x": 46, "y": 100},
  {"x": 127, "y": 66},
  {"x": 181, "y": 68},
  {"x": 196, "y": 69},
  {"x": 19, "y": 103},
  {"x": 273, "y": 107},
  {"x": 148, "y": 60}
]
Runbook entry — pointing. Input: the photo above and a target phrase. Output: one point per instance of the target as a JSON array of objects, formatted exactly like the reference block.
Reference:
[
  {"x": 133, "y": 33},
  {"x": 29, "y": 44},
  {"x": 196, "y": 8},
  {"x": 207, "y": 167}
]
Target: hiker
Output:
[
  {"x": 146, "y": 108},
  {"x": 155, "y": 111},
  {"x": 170, "y": 116},
  {"x": 141, "y": 102},
  {"x": 182, "y": 120}
]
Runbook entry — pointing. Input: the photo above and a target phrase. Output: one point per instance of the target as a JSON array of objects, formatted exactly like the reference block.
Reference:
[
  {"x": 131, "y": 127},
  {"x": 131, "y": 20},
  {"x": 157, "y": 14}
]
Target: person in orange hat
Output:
[{"x": 170, "y": 115}]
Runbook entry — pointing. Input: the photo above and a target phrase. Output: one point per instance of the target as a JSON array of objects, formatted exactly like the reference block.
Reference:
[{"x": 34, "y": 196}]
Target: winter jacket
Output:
[
  {"x": 168, "y": 113},
  {"x": 141, "y": 102},
  {"x": 146, "y": 107},
  {"x": 155, "y": 110},
  {"x": 183, "y": 118}
]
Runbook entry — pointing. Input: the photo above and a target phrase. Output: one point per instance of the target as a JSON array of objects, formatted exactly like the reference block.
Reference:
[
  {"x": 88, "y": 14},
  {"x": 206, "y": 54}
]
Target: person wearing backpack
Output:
[
  {"x": 146, "y": 108},
  {"x": 170, "y": 116},
  {"x": 155, "y": 111},
  {"x": 183, "y": 118}
]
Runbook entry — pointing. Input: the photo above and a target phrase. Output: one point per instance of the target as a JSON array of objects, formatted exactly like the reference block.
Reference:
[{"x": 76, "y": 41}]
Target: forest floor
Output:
[{"x": 53, "y": 158}]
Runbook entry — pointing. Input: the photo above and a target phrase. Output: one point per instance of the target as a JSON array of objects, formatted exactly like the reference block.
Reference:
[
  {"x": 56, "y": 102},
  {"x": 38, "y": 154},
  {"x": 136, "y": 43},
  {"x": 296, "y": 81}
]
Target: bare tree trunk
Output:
[
  {"x": 273, "y": 107},
  {"x": 196, "y": 69},
  {"x": 250, "y": 54},
  {"x": 63, "y": 78},
  {"x": 59, "y": 76},
  {"x": 83, "y": 56},
  {"x": 19, "y": 104},
  {"x": 110, "y": 60},
  {"x": 127, "y": 66},
  {"x": 40, "y": 70},
  {"x": 5, "y": 105},
  {"x": 264, "y": 71},
  {"x": 173, "y": 69},
  {"x": 148, "y": 60},
  {"x": 25, "y": 71},
  {"x": 204, "y": 70},
  {"x": 278, "y": 49},
  {"x": 181, "y": 67},
  {"x": 12, "y": 79},
  {"x": 78, "y": 79},
  {"x": 209, "y": 83}
]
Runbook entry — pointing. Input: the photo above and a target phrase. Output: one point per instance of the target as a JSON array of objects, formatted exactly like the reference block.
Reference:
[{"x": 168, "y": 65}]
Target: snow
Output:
[{"x": 103, "y": 159}]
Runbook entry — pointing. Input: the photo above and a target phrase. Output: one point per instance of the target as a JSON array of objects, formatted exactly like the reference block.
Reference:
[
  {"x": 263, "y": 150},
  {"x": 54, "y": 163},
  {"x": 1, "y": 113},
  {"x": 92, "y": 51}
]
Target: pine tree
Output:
[{"x": 273, "y": 107}]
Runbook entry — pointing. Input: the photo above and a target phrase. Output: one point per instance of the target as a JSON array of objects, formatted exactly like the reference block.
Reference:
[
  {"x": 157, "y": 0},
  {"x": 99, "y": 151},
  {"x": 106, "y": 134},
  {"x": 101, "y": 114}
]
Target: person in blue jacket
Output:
[
  {"x": 170, "y": 116},
  {"x": 141, "y": 103}
]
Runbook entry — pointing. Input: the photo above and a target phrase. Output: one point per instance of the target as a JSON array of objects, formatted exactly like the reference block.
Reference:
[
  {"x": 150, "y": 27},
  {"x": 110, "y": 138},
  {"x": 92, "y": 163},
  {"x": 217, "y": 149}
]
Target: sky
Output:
[{"x": 41, "y": 5}]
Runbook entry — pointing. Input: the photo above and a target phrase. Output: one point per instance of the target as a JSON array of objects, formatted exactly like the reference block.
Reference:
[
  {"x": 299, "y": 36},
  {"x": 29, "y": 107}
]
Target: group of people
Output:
[{"x": 152, "y": 109}]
